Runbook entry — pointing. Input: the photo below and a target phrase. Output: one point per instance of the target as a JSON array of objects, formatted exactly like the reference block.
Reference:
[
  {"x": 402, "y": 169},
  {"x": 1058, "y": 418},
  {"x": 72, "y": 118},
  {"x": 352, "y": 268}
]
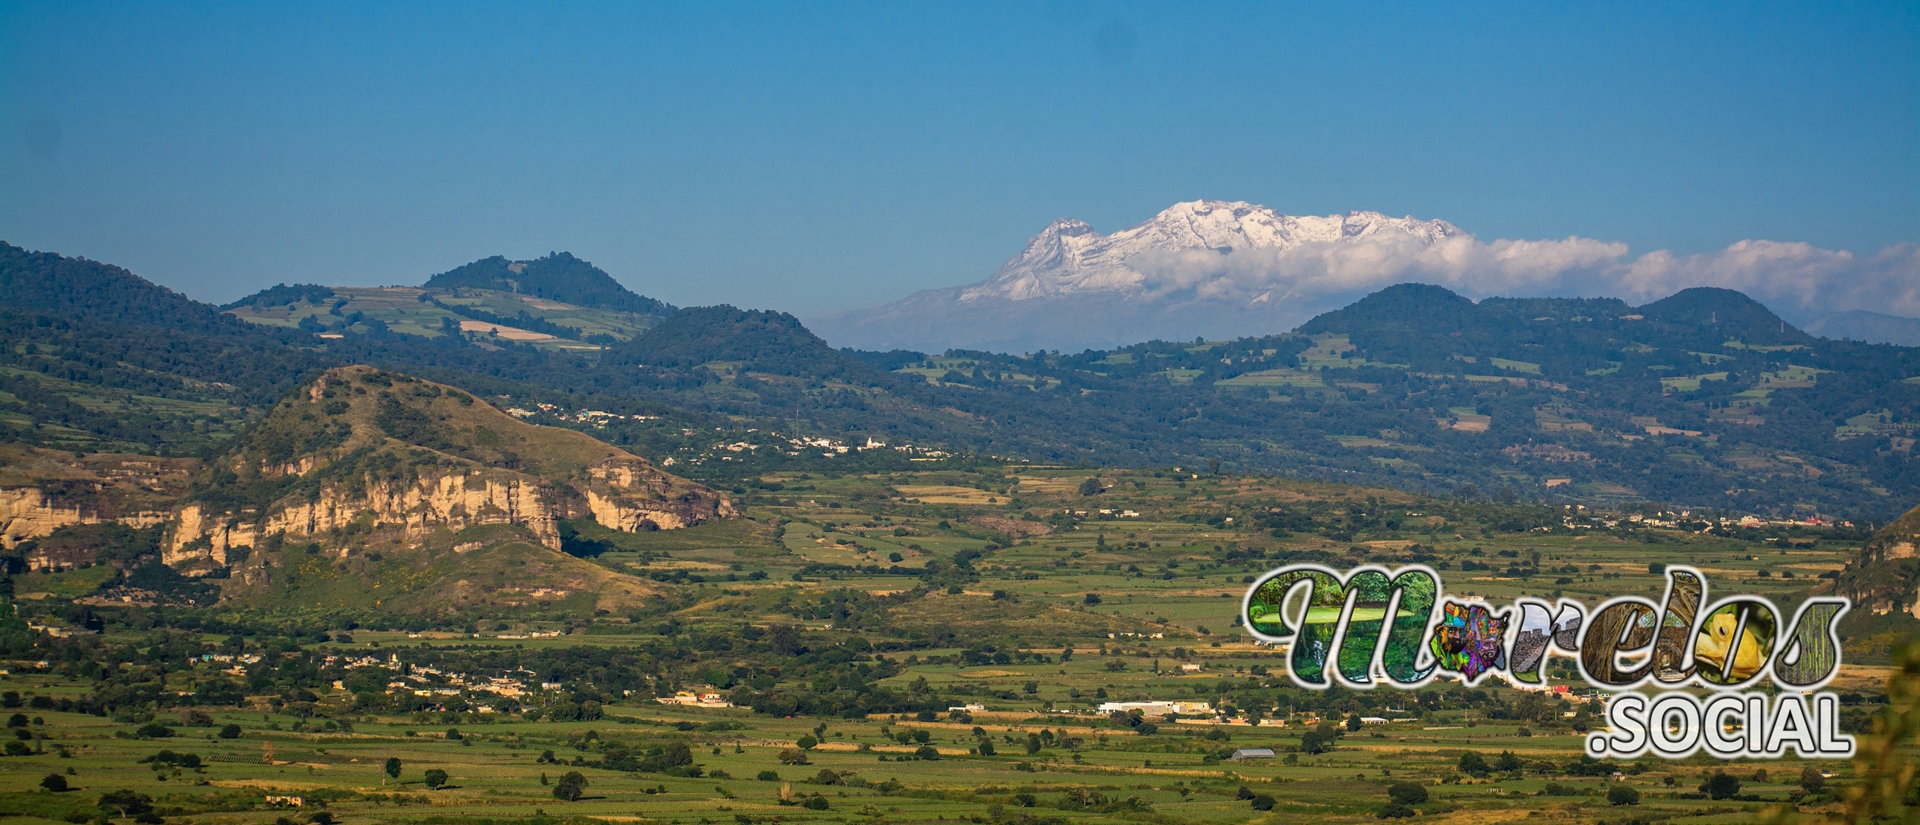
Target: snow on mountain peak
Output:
[{"x": 1162, "y": 254}]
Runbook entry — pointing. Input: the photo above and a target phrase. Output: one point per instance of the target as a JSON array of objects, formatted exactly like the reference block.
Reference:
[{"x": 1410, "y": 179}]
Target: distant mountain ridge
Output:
[
  {"x": 1868, "y": 327},
  {"x": 1701, "y": 399}
]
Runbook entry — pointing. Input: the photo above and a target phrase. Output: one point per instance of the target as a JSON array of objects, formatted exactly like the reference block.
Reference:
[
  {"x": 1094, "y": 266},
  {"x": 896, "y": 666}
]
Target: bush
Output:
[
  {"x": 54, "y": 783},
  {"x": 1407, "y": 793},
  {"x": 434, "y": 778},
  {"x": 1395, "y": 810},
  {"x": 229, "y": 732},
  {"x": 153, "y": 730},
  {"x": 927, "y": 752},
  {"x": 1262, "y": 802},
  {"x": 1473, "y": 764},
  {"x": 1621, "y": 794},
  {"x": 16, "y": 747},
  {"x": 768, "y": 776}
]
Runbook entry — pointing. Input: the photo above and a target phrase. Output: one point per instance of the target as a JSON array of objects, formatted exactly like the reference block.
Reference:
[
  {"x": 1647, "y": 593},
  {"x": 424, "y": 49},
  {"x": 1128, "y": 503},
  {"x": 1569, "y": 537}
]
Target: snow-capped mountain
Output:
[
  {"x": 1070, "y": 257},
  {"x": 1207, "y": 268}
]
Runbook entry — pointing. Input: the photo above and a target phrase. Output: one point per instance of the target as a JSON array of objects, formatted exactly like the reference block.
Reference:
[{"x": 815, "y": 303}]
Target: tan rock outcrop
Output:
[{"x": 30, "y": 513}]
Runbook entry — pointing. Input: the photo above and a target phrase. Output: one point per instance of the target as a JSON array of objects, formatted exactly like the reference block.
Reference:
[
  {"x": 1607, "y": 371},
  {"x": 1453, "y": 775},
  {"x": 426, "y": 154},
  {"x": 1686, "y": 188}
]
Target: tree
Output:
[
  {"x": 986, "y": 747},
  {"x": 1811, "y": 780},
  {"x": 54, "y": 783},
  {"x": 807, "y": 743},
  {"x": 1091, "y": 487},
  {"x": 434, "y": 778},
  {"x": 571, "y": 786},
  {"x": 126, "y": 802},
  {"x": 1395, "y": 810},
  {"x": 1407, "y": 793},
  {"x": 1262, "y": 802},
  {"x": 1320, "y": 739},
  {"x": 393, "y": 768},
  {"x": 1093, "y": 598},
  {"x": 1473, "y": 764},
  {"x": 1623, "y": 794},
  {"x": 1721, "y": 785},
  {"x": 793, "y": 756},
  {"x": 229, "y": 731},
  {"x": 1507, "y": 761},
  {"x": 927, "y": 752},
  {"x": 1353, "y": 722}
]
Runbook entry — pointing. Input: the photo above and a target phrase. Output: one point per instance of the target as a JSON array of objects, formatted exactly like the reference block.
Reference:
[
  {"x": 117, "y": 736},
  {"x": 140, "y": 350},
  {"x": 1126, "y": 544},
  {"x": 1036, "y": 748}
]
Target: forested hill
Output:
[
  {"x": 748, "y": 341},
  {"x": 559, "y": 277},
  {"x": 43, "y": 282}
]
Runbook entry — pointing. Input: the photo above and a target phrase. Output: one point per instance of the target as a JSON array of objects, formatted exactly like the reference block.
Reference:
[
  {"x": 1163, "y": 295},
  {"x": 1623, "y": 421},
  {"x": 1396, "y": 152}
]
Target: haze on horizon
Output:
[{"x": 823, "y": 159}]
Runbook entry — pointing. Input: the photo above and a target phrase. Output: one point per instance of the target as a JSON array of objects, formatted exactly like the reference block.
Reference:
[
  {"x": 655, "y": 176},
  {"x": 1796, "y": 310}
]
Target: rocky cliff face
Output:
[
  {"x": 1884, "y": 577},
  {"x": 43, "y": 490},
  {"x": 390, "y": 460}
]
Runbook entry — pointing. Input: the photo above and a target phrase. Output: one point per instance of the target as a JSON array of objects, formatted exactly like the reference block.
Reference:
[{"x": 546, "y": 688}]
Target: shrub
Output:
[
  {"x": 1473, "y": 764},
  {"x": 54, "y": 783},
  {"x": 1262, "y": 802},
  {"x": 768, "y": 776},
  {"x": 1395, "y": 810},
  {"x": 434, "y": 778},
  {"x": 927, "y": 752},
  {"x": 229, "y": 732}
]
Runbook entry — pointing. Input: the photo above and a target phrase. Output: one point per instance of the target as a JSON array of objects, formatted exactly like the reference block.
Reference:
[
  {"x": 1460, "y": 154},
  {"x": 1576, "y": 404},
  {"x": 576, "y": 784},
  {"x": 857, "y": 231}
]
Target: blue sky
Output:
[{"x": 830, "y": 156}]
